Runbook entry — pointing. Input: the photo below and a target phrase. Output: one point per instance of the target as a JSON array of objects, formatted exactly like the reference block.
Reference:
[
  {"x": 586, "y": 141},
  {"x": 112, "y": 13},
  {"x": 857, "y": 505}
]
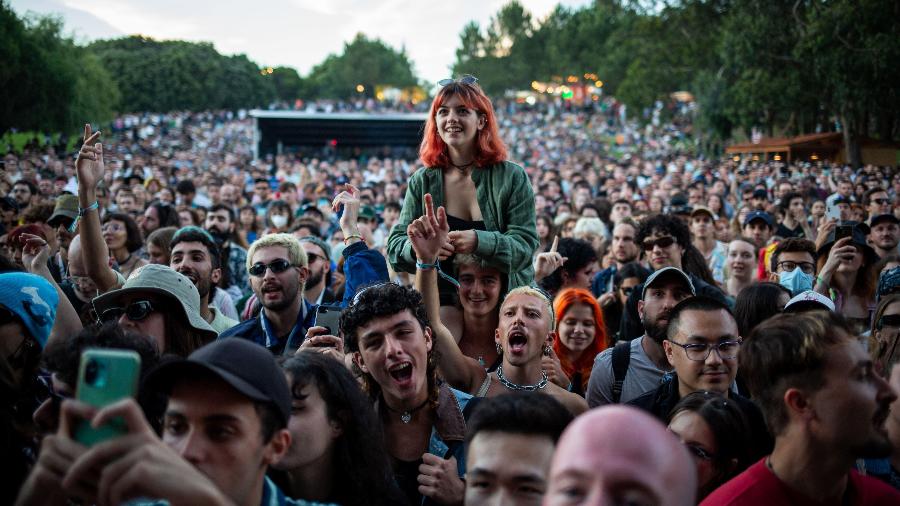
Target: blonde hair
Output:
[
  {"x": 296, "y": 253},
  {"x": 587, "y": 226},
  {"x": 535, "y": 292}
]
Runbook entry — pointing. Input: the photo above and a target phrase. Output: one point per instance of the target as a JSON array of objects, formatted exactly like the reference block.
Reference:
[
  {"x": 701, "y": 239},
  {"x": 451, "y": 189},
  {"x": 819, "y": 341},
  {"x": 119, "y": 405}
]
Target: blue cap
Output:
[
  {"x": 32, "y": 299},
  {"x": 759, "y": 215}
]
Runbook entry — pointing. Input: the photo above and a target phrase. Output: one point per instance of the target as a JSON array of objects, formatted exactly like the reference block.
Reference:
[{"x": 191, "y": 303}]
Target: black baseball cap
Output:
[
  {"x": 9, "y": 204},
  {"x": 244, "y": 365},
  {"x": 884, "y": 217},
  {"x": 760, "y": 194}
]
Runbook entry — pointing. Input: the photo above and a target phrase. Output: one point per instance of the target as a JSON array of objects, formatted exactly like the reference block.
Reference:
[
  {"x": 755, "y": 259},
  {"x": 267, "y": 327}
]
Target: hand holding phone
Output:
[
  {"x": 105, "y": 376},
  {"x": 843, "y": 231},
  {"x": 329, "y": 316}
]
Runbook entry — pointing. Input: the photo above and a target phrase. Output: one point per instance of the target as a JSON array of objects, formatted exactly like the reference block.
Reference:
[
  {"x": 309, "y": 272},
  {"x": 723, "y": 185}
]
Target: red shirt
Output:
[{"x": 759, "y": 485}]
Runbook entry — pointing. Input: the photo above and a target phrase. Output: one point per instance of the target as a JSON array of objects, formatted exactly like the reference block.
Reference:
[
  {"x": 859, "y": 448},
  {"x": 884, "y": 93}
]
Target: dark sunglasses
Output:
[
  {"x": 881, "y": 202},
  {"x": 258, "y": 270},
  {"x": 627, "y": 290},
  {"x": 312, "y": 257},
  {"x": 890, "y": 320},
  {"x": 662, "y": 242},
  {"x": 136, "y": 311},
  {"x": 466, "y": 79}
]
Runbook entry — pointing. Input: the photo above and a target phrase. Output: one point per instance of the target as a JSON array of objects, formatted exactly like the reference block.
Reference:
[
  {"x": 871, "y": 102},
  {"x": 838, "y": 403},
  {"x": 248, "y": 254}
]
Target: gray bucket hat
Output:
[{"x": 160, "y": 280}]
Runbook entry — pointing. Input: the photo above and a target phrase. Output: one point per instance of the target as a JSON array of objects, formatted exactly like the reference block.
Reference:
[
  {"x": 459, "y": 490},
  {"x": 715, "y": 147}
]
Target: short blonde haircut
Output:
[
  {"x": 540, "y": 294},
  {"x": 587, "y": 226},
  {"x": 296, "y": 253}
]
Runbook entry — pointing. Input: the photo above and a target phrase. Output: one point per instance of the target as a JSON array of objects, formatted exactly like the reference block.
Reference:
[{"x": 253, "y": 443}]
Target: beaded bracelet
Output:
[{"x": 352, "y": 236}]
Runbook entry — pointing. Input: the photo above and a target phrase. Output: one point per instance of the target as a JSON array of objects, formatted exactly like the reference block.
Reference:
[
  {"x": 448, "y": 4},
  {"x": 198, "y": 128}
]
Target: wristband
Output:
[
  {"x": 81, "y": 212},
  {"x": 437, "y": 266},
  {"x": 352, "y": 236}
]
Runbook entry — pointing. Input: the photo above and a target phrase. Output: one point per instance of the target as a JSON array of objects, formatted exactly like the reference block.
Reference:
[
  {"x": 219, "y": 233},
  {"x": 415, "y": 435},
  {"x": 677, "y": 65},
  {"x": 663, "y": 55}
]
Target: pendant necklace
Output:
[
  {"x": 406, "y": 416},
  {"x": 514, "y": 386}
]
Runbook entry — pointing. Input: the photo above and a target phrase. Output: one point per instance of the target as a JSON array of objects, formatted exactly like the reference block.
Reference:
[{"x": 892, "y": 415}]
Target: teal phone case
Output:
[{"x": 104, "y": 377}]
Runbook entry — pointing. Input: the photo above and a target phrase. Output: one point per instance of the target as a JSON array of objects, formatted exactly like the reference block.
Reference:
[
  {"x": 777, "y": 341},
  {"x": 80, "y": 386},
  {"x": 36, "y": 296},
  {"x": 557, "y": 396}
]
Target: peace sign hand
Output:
[{"x": 89, "y": 165}]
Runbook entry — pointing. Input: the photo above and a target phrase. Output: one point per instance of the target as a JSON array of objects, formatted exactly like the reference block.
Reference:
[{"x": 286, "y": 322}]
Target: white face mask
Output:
[{"x": 279, "y": 221}]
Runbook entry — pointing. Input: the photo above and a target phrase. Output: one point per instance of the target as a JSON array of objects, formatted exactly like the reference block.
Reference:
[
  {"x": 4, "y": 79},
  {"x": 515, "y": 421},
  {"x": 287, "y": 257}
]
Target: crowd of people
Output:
[{"x": 551, "y": 305}]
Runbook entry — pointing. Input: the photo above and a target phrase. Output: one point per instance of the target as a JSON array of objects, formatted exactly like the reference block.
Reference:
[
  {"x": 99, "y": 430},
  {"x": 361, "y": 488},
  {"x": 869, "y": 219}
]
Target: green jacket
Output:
[{"x": 507, "y": 206}]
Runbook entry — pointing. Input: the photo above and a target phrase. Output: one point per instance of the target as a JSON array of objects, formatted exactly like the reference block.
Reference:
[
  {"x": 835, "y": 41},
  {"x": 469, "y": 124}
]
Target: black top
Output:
[
  {"x": 406, "y": 474},
  {"x": 446, "y": 289}
]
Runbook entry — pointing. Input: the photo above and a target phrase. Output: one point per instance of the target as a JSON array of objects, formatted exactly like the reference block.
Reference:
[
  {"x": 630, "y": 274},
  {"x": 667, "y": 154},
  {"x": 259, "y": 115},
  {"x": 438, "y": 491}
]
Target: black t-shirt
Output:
[
  {"x": 406, "y": 474},
  {"x": 784, "y": 232}
]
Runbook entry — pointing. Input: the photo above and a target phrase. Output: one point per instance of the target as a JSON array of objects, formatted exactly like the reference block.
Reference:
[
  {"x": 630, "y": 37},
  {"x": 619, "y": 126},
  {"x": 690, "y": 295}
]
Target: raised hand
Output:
[
  {"x": 548, "y": 261},
  {"x": 89, "y": 165},
  {"x": 35, "y": 253},
  {"x": 428, "y": 233},
  {"x": 552, "y": 367},
  {"x": 349, "y": 199}
]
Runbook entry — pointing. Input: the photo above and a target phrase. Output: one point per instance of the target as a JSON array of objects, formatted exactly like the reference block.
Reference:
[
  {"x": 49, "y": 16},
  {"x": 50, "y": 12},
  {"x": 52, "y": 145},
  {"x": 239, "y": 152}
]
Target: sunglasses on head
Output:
[
  {"x": 466, "y": 79},
  {"x": 258, "y": 269},
  {"x": 662, "y": 242},
  {"x": 136, "y": 311}
]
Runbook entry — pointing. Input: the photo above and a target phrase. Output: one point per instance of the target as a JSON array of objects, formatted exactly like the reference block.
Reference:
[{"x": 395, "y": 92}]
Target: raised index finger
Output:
[
  {"x": 429, "y": 206},
  {"x": 555, "y": 244}
]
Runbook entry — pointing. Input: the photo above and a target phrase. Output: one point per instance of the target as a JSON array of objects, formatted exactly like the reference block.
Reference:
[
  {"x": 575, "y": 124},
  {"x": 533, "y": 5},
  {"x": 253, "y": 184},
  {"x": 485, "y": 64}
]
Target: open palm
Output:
[{"x": 89, "y": 165}]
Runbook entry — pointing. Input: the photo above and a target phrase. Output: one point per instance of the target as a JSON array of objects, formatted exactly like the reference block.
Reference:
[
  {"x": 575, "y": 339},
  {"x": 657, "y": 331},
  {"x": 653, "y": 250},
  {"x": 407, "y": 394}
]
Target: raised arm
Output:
[
  {"x": 34, "y": 256},
  {"x": 363, "y": 266},
  {"x": 427, "y": 234},
  {"x": 89, "y": 168}
]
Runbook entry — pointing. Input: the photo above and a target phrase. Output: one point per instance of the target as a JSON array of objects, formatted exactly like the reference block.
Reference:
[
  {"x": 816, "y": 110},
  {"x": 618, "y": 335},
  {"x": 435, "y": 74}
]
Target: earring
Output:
[
  {"x": 546, "y": 350},
  {"x": 499, "y": 349}
]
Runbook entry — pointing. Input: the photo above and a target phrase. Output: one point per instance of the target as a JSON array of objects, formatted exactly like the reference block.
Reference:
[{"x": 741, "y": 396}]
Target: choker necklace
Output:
[
  {"x": 463, "y": 166},
  {"x": 527, "y": 388},
  {"x": 123, "y": 262},
  {"x": 406, "y": 416}
]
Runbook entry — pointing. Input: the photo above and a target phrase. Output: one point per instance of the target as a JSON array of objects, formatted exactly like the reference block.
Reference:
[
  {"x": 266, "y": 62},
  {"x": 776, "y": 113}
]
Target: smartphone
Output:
[
  {"x": 105, "y": 376},
  {"x": 329, "y": 317},
  {"x": 833, "y": 212},
  {"x": 843, "y": 231}
]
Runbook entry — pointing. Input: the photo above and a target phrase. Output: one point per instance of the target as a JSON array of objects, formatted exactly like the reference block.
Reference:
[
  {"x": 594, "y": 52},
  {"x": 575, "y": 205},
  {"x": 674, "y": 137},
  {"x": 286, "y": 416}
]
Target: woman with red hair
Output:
[
  {"x": 581, "y": 336},
  {"x": 489, "y": 200}
]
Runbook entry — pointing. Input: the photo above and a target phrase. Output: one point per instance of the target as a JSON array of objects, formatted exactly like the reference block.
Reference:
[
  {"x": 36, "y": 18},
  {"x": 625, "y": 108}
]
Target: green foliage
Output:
[
  {"x": 157, "y": 75},
  {"x": 785, "y": 67},
  {"x": 365, "y": 62},
  {"x": 43, "y": 75},
  {"x": 287, "y": 82}
]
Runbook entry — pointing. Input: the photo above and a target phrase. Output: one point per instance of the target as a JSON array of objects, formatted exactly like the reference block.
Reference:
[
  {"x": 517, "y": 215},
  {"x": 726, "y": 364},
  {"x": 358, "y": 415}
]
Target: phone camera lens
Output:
[{"x": 91, "y": 371}]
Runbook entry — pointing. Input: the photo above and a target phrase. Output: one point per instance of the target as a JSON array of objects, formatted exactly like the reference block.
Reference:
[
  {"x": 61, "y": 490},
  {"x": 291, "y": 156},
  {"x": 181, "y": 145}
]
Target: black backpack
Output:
[{"x": 621, "y": 357}]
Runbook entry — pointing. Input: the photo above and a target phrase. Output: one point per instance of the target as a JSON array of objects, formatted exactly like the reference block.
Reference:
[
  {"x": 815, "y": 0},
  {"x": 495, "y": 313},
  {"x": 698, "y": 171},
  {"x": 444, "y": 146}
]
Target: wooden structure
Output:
[{"x": 827, "y": 146}]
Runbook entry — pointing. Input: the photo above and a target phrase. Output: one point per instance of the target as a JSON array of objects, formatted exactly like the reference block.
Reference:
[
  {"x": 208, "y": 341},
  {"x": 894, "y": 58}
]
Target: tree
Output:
[
  {"x": 287, "y": 83},
  {"x": 366, "y": 62}
]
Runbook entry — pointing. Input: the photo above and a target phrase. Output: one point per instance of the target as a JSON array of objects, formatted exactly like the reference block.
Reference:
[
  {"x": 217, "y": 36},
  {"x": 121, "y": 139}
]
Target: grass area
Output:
[{"x": 18, "y": 140}]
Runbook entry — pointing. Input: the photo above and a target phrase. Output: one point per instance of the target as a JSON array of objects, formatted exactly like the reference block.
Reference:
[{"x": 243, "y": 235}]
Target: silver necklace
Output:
[{"x": 514, "y": 386}]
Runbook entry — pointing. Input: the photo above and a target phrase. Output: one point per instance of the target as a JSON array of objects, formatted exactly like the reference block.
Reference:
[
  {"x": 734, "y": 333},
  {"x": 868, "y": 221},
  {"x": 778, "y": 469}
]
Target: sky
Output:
[{"x": 294, "y": 33}]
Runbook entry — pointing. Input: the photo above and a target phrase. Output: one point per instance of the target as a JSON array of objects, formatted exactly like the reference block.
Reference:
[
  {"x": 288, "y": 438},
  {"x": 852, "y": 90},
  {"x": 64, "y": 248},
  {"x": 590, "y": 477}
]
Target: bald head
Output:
[
  {"x": 619, "y": 454},
  {"x": 76, "y": 259}
]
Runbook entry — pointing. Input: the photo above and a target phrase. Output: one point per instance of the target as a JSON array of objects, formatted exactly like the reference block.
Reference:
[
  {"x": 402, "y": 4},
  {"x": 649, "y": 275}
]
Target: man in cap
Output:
[
  {"x": 703, "y": 230},
  {"x": 630, "y": 369},
  {"x": 825, "y": 404},
  {"x": 595, "y": 464},
  {"x": 758, "y": 227},
  {"x": 225, "y": 423},
  {"x": 64, "y": 213},
  {"x": 195, "y": 255},
  {"x": 885, "y": 235},
  {"x": 702, "y": 346}
]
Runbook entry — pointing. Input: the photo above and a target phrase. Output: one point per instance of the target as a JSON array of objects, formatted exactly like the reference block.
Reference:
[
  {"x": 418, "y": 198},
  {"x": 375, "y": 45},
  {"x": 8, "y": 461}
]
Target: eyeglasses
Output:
[
  {"x": 112, "y": 227},
  {"x": 699, "y": 452},
  {"x": 19, "y": 357},
  {"x": 136, "y": 311},
  {"x": 627, "y": 290},
  {"x": 889, "y": 320},
  {"x": 806, "y": 267},
  {"x": 465, "y": 79},
  {"x": 727, "y": 350},
  {"x": 662, "y": 242},
  {"x": 881, "y": 202},
  {"x": 258, "y": 269},
  {"x": 312, "y": 257}
]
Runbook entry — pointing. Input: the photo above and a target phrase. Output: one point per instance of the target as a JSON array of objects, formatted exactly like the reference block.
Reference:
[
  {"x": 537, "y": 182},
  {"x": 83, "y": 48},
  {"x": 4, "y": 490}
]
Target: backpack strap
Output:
[{"x": 621, "y": 357}]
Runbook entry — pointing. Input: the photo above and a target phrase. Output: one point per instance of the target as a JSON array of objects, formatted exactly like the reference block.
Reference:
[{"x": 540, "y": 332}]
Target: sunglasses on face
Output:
[
  {"x": 312, "y": 257},
  {"x": 136, "y": 311},
  {"x": 258, "y": 269},
  {"x": 889, "y": 320},
  {"x": 881, "y": 202},
  {"x": 466, "y": 79},
  {"x": 662, "y": 242}
]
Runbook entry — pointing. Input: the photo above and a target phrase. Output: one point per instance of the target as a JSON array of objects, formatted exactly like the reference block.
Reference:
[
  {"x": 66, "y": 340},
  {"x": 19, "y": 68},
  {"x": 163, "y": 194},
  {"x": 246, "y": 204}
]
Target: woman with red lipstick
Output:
[
  {"x": 489, "y": 200},
  {"x": 581, "y": 336}
]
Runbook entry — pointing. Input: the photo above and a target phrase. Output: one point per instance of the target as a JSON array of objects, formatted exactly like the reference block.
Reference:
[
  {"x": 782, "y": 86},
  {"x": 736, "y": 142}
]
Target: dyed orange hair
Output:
[
  {"x": 489, "y": 148},
  {"x": 563, "y": 302}
]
